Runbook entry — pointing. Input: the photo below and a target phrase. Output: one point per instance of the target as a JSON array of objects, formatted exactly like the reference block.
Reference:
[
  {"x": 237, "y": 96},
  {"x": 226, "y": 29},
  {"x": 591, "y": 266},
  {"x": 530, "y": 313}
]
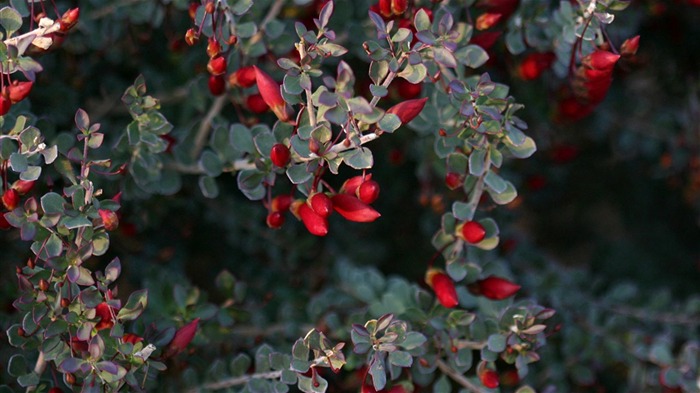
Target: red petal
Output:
[{"x": 353, "y": 209}]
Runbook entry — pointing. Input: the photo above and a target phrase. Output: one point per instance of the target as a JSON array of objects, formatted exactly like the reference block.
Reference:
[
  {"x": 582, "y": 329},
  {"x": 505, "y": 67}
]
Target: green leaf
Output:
[
  {"x": 18, "y": 162},
  {"x": 17, "y": 365},
  {"x": 10, "y": 20},
  {"x": 414, "y": 73},
  {"x": 389, "y": 122},
  {"x": 298, "y": 173},
  {"x": 246, "y": 29},
  {"x": 472, "y": 56},
  {"x": 496, "y": 343},
  {"x": 241, "y": 138},
  {"x": 134, "y": 306},
  {"x": 524, "y": 150},
  {"x": 31, "y": 173},
  {"x": 52, "y": 203},
  {"x": 211, "y": 163},
  {"x": 208, "y": 186},
  {"x": 413, "y": 340},
  {"x": 495, "y": 182},
  {"x": 100, "y": 243},
  {"x": 360, "y": 158},
  {"x": 240, "y": 7},
  {"x": 378, "y": 90},
  {"x": 240, "y": 364},
  {"x": 400, "y": 358},
  {"x": 444, "y": 56},
  {"x": 514, "y": 41},
  {"x": 477, "y": 160},
  {"x": 26, "y": 380},
  {"x": 82, "y": 120},
  {"x": 421, "y": 21},
  {"x": 378, "y": 373},
  {"x": 292, "y": 84}
]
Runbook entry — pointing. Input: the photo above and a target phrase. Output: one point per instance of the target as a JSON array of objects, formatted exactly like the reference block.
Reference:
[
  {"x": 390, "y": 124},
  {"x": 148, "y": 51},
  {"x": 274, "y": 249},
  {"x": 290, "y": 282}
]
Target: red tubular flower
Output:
[
  {"x": 217, "y": 85},
  {"x": 270, "y": 92},
  {"x": 280, "y": 155},
  {"x": 243, "y": 77},
  {"x": 256, "y": 104},
  {"x": 368, "y": 191},
  {"x": 398, "y": 7},
  {"x": 274, "y": 220},
  {"x": 601, "y": 60},
  {"x": 217, "y": 65},
  {"x": 23, "y": 186},
  {"x": 385, "y": 8},
  {"x": 10, "y": 199},
  {"x": 487, "y": 20},
  {"x": 489, "y": 378},
  {"x": 314, "y": 223},
  {"x": 5, "y": 104},
  {"x": 485, "y": 39},
  {"x": 629, "y": 46},
  {"x": 104, "y": 312},
  {"x": 109, "y": 219},
  {"x": 131, "y": 338},
  {"x": 350, "y": 186},
  {"x": 321, "y": 204},
  {"x": 471, "y": 231},
  {"x": 182, "y": 338},
  {"x": 69, "y": 19},
  {"x": 534, "y": 64},
  {"x": 443, "y": 286},
  {"x": 19, "y": 90},
  {"x": 353, "y": 209},
  {"x": 494, "y": 288},
  {"x": 281, "y": 203},
  {"x": 408, "y": 110}
]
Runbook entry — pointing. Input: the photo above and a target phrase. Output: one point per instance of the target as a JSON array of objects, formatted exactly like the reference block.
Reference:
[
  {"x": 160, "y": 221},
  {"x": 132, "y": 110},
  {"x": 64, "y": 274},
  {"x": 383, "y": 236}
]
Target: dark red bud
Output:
[
  {"x": 256, "y": 104},
  {"x": 368, "y": 191},
  {"x": 280, "y": 155},
  {"x": 353, "y": 209},
  {"x": 443, "y": 286},
  {"x": 109, "y": 219},
  {"x": 10, "y": 199},
  {"x": 408, "y": 110},
  {"x": 217, "y": 85},
  {"x": 274, "y": 220},
  {"x": 243, "y": 77},
  {"x": 495, "y": 288},
  {"x": 321, "y": 204},
  {"x": 217, "y": 65},
  {"x": 472, "y": 231}
]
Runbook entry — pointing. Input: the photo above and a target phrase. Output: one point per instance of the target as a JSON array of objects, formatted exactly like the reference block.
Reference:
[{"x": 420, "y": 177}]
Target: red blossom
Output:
[
  {"x": 601, "y": 60},
  {"x": 243, "y": 77},
  {"x": 494, "y": 288},
  {"x": 256, "y": 104},
  {"x": 314, "y": 223},
  {"x": 109, "y": 219},
  {"x": 471, "y": 231},
  {"x": 443, "y": 286},
  {"x": 489, "y": 378},
  {"x": 23, "y": 186},
  {"x": 534, "y": 64},
  {"x": 131, "y": 338},
  {"x": 353, "y": 209},
  {"x": 321, "y": 204},
  {"x": 217, "y": 85},
  {"x": 104, "y": 312},
  {"x": 280, "y": 155},
  {"x": 629, "y": 46},
  {"x": 270, "y": 92},
  {"x": 10, "y": 199},
  {"x": 18, "y": 91},
  {"x": 487, "y": 20},
  {"x": 69, "y": 19},
  {"x": 368, "y": 191},
  {"x": 182, "y": 339},
  {"x": 409, "y": 109}
]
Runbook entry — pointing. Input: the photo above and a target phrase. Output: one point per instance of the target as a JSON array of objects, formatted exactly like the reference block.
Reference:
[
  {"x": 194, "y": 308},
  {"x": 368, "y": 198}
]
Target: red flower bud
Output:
[
  {"x": 55, "y": 390},
  {"x": 385, "y": 8},
  {"x": 104, "y": 312},
  {"x": 350, "y": 186},
  {"x": 398, "y": 7},
  {"x": 182, "y": 338},
  {"x": 274, "y": 220},
  {"x": 489, "y": 378},
  {"x": 243, "y": 77},
  {"x": 217, "y": 85},
  {"x": 494, "y": 288},
  {"x": 191, "y": 36},
  {"x": 131, "y": 338},
  {"x": 4, "y": 224},
  {"x": 314, "y": 223},
  {"x": 270, "y": 92},
  {"x": 601, "y": 60},
  {"x": 368, "y": 191},
  {"x": 534, "y": 64},
  {"x": 5, "y": 104},
  {"x": 504, "y": 7},
  {"x": 405, "y": 89},
  {"x": 217, "y": 65},
  {"x": 10, "y": 199},
  {"x": 193, "y": 9},
  {"x": 69, "y": 19},
  {"x": 471, "y": 231},
  {"x": 443, "y": 286},
  {"x": 109, "y": 219},
  {"x": 353, "y": 209},
  {"x": 485, "y": 39},
  {"x": 281, "y": 203},
  {"x": 256, "y": 104},
  {"x": 487, "y": 20},
  {"x": 453, "y": 180},
  {"x": 19, "y": 90},
  {"x": 321, "y": 204},
  {"x": 408, "y": 110},
  {"x": 629, "y": 46},
  {"x": 213, "y": 47},
  {"x": 23, "y": 186},
  {"x": 280, "y": 155}
]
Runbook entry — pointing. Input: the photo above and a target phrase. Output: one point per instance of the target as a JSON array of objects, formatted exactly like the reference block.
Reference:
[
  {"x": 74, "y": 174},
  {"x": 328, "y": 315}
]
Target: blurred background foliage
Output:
[{"x": 605, "y": 229}]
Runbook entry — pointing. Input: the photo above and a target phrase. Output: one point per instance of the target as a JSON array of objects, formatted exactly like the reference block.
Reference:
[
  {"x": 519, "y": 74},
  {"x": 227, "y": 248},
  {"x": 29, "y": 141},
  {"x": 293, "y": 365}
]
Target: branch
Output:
[
  {"x": 203, "y": 131},
  {"x": 457, "y": 377},
  {"x": 39, "y": 368}
]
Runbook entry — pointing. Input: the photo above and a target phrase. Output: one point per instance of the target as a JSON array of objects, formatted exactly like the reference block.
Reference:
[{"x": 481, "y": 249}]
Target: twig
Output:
[
  {"x": 39, "y": 368},
  {"x": 457, "y": 377},
  {"x": 235, "y": 381},
  {"x": 203, "y": 131}
]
